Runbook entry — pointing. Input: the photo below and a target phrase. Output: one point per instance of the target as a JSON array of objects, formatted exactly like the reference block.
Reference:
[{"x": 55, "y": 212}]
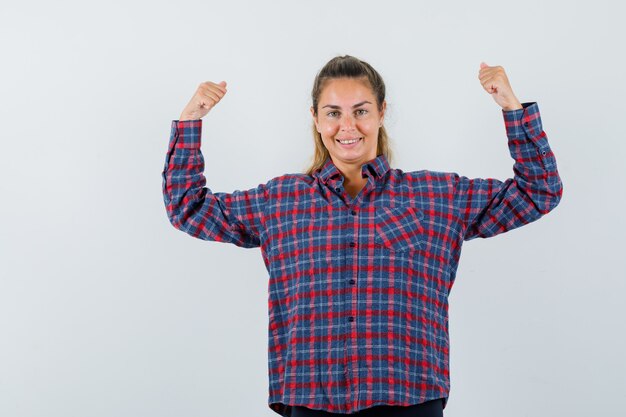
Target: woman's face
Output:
[{"x": 348, "y": 121}]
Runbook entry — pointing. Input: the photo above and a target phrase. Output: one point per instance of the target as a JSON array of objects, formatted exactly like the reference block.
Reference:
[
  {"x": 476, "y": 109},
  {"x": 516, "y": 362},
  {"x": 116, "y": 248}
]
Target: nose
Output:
[{"x": 347, "y": 123}]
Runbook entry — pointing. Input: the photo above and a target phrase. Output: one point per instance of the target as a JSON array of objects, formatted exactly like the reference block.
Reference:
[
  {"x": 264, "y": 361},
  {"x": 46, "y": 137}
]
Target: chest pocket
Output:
[{"x": 399, "y": 228}]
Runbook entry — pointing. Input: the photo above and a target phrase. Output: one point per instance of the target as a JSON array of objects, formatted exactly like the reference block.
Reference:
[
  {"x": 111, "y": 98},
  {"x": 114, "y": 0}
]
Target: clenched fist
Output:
[
  {"x": 496, "y": 83},
  {"x": 207, "y": 95}
]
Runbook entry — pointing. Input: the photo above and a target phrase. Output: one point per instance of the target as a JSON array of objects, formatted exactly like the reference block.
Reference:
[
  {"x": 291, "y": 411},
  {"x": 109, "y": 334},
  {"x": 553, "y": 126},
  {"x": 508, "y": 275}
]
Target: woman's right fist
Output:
[{"x": 207, "y": 95}]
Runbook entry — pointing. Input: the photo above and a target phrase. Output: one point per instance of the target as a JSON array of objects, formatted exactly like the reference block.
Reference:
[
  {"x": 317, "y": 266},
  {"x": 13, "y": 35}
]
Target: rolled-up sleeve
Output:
[{"x": 488, "y": 206}]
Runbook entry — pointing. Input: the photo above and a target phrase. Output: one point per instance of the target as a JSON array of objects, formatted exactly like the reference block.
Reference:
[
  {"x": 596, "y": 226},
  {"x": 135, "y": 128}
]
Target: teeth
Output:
[{"x": 346, "y": 142}]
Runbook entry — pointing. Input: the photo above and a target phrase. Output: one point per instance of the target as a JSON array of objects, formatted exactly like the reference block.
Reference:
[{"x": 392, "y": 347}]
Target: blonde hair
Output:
[{"x": 347, "y": 66}]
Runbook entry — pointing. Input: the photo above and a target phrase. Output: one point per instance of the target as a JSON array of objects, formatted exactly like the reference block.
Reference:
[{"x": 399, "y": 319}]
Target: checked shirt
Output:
[{"x": 358, "y": 288}]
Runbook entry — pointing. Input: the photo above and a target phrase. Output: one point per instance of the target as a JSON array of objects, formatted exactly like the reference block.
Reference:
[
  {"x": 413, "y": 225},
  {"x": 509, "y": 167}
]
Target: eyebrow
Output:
[{"x": 332, "y": 106}]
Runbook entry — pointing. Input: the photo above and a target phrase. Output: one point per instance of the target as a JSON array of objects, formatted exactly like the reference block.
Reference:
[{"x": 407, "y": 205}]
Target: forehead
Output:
[{"x": 346, "y": 91}]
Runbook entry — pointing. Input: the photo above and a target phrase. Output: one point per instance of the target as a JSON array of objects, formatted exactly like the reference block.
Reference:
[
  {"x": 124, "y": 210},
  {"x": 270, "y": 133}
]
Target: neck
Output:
[{"x": 353, "y": 180}]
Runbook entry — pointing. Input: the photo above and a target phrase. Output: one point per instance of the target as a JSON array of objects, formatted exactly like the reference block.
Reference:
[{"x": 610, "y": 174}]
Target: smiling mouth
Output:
[{"x": 348, "y": 141}]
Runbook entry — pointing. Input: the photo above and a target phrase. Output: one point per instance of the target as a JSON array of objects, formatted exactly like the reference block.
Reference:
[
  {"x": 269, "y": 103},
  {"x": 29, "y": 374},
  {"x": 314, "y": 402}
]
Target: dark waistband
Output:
[{"x": 432, "y": 408}]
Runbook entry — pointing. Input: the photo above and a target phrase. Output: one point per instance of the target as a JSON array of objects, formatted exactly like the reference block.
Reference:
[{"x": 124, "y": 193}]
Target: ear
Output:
[
  {"x": 314, "y": 118},
  {"x": 382, "y": 111}
]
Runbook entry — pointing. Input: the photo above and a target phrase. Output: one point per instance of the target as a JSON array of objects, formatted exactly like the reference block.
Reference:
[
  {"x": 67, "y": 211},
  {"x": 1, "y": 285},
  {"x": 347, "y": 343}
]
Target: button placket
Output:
[{"x": 351, "y": 244}]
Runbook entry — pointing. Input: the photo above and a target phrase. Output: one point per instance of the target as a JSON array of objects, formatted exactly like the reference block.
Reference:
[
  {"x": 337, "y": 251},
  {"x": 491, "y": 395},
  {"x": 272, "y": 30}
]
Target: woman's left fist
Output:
[{"x": 496, "y": 83}]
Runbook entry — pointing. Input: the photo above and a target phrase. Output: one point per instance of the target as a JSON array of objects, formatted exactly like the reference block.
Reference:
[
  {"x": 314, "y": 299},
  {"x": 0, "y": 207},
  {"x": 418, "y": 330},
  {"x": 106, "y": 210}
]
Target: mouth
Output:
[{"x": 349, "y": 142}]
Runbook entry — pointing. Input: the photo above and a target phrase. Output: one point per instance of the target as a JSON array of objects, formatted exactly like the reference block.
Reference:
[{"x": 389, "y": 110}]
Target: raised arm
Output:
[
  {"x": 193, "y": 208},
  {"x": 489, "y": 206}
]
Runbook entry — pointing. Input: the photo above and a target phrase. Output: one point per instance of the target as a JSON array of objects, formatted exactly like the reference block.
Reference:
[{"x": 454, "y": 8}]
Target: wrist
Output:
[
  {"x": 515, "y": 106},
  {"x": 185, "y": 117}
]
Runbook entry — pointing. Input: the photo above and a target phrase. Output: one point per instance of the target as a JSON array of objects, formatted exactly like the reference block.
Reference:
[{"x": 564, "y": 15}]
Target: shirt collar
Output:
[{"x": 377, "y": 167}]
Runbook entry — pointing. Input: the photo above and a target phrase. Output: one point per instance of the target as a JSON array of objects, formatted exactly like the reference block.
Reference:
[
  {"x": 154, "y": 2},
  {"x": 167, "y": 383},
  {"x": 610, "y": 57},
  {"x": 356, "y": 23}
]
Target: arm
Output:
[
  {"x": 488, "y": 207},
  {"x": 192, "y": 208}
]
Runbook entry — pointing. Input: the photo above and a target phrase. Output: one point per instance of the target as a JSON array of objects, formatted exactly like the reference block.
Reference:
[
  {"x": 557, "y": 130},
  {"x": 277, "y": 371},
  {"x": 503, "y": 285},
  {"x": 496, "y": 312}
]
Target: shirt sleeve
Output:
[
  {"x": 196, "y": 210},
  {"x": 489, "y": 206}
]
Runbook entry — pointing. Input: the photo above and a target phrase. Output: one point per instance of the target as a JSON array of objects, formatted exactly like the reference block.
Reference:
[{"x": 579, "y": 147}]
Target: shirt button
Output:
[
  {"x": 352, "y": 281},
  {"x": 353, "y": 213},
  {"x": 338, "y": 189},
  {"x": 350, "y": 318},
  {"x": 352, "y": 244}
]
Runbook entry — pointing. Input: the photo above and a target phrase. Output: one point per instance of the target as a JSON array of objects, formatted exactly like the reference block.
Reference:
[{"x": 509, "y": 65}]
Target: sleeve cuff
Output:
[
  {"x": 523, "y": 123},
  {"x": 186, "y": 134}
]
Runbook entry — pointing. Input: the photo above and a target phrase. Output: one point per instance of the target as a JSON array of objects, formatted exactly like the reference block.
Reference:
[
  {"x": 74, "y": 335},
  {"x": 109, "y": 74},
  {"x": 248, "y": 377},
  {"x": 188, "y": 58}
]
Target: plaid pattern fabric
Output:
[{"x": 358, "y": 288}]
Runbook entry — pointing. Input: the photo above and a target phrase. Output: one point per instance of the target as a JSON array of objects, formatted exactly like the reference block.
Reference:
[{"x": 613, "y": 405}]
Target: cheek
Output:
[
  {"x": 329, "y": 129},
  {"x": 368, "y": 127}
]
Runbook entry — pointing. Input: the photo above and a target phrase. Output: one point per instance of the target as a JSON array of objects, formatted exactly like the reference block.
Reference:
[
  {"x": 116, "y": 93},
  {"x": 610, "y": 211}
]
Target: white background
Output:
[{"x": 107, "y": 310}]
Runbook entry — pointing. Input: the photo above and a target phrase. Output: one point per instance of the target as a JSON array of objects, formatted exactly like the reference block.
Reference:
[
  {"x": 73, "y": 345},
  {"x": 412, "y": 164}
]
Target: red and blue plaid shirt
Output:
[{"x": 358, "y": 288}]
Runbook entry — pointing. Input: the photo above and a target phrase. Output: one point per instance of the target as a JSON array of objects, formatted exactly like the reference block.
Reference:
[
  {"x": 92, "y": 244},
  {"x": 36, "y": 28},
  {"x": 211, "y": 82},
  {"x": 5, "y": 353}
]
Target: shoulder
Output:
[
  {"x": 424, "y": 187},
  {"x": 423, "y": 177},
  {"x": 296, "y": 180}
]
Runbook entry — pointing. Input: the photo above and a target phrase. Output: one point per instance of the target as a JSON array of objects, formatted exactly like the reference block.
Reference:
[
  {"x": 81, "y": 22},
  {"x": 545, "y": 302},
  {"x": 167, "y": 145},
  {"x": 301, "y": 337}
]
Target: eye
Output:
[
  {"x": 331, "y": 113},
  {"x": 361, "y": 112}
]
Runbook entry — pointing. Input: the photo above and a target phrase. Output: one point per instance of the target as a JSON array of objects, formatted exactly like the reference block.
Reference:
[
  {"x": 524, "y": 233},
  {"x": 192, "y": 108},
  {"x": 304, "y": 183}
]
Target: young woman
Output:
[{"x": 361, "y": 256}]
